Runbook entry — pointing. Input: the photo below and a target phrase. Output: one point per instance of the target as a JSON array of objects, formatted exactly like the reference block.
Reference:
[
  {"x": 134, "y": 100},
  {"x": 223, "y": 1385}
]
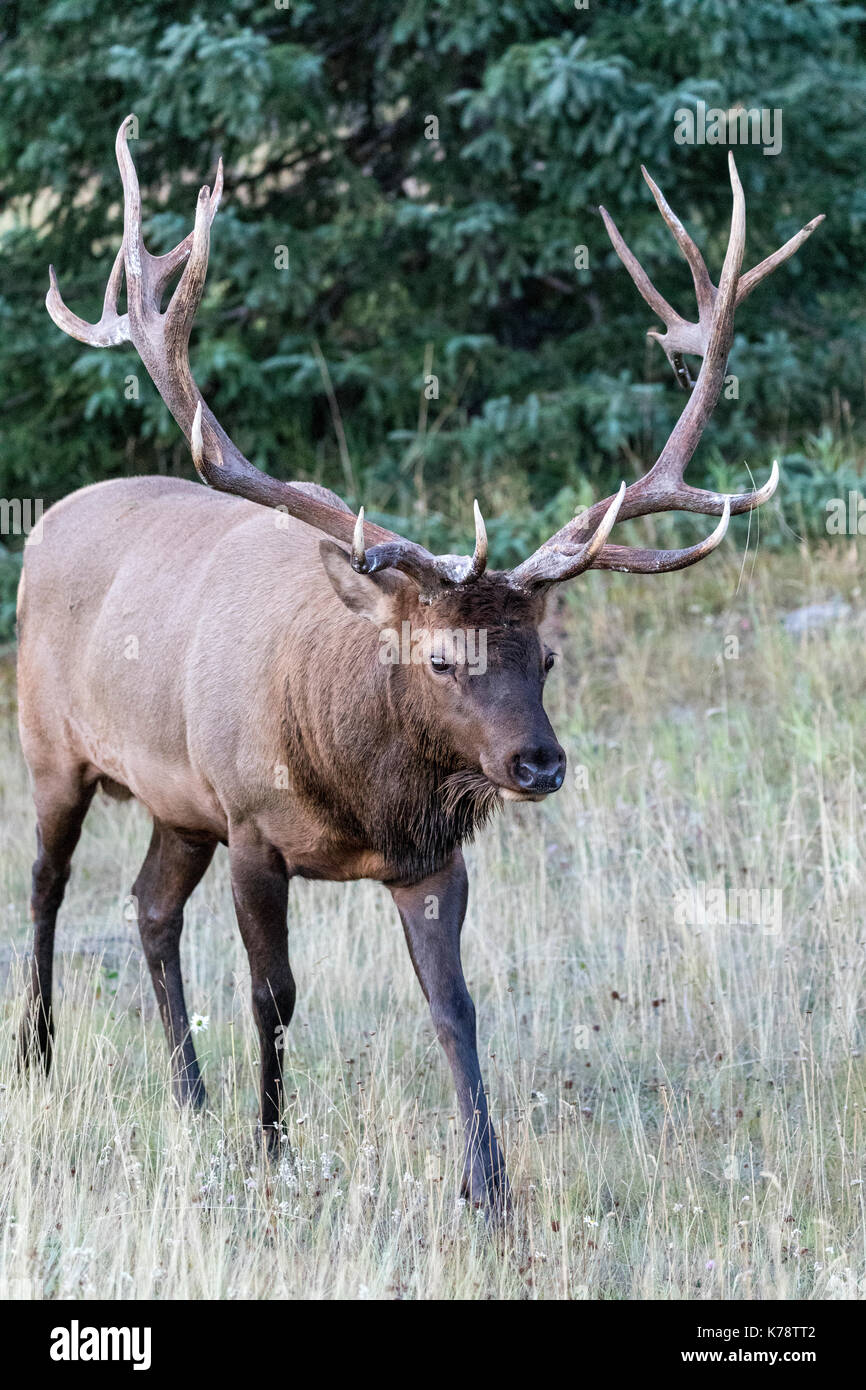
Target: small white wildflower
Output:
[{"x": 199, "y": 1023}]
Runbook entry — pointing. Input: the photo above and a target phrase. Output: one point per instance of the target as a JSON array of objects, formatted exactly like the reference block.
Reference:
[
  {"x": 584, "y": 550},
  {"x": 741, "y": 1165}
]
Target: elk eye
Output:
[
  {"x": 548, "y": 661},
  {"x": 439, "y": 664}
]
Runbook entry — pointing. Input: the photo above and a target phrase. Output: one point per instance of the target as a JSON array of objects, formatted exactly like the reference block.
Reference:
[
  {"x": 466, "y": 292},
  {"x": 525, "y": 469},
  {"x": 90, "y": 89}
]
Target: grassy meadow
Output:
[{"x": 682, "y": 1100}]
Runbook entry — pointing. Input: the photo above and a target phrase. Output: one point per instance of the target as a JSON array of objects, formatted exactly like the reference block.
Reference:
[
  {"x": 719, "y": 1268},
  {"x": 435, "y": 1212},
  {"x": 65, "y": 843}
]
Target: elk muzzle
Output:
[{"x": 533, "y": 764}]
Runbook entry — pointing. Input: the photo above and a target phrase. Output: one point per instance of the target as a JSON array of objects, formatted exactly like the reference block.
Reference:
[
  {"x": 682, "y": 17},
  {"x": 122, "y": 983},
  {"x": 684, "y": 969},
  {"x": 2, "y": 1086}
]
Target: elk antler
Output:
[
  {"x": 162, "y": 342},
  {"x": 574, "y": 548}
]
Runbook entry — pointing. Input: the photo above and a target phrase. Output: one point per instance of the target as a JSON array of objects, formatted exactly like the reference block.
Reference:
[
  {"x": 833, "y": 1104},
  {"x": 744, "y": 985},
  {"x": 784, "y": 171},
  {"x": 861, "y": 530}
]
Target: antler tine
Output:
[
  {"x": 478, "y": 563},
  {"x": 184, "y": 302},
  {"x": 112, "y": 328},
  {"x": 704, "y": 291},
  {"x": 629, "y": 559},
  {"x": 645, "y": 286},
  {"x": 569, "y": 561},
  {"x": 135, "y": 255},
  {"x": 359, "y": 554},
  {"x": 166, "y": 265},
  {"x": 753, "y": 278}
]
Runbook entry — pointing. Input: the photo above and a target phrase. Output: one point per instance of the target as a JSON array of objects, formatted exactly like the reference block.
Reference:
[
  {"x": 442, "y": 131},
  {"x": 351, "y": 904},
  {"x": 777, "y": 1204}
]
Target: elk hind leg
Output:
[
  {"x": 173, "y": 867},
  {"x": 62, "y": 800}
]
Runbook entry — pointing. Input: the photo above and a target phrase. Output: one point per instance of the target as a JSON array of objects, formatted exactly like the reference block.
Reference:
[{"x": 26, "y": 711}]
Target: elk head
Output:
[
  {"x": 485, "y": 717},
  {"x": 468, "y": 667}
]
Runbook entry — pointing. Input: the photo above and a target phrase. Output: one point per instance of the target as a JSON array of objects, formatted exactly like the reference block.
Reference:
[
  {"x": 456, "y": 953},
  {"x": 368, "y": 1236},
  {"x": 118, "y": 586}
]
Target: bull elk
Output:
[{"x": 259, "y": 648}]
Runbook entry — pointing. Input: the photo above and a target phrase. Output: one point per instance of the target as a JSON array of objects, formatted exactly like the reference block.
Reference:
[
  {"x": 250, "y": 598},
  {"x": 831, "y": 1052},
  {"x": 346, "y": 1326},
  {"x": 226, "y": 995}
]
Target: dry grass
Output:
[{"x": 682, "y": 1104}]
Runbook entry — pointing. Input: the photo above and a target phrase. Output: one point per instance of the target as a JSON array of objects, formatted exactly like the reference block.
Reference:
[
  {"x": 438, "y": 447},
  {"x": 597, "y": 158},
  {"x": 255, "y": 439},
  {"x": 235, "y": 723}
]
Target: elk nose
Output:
[{"x": 539, "y": 769}]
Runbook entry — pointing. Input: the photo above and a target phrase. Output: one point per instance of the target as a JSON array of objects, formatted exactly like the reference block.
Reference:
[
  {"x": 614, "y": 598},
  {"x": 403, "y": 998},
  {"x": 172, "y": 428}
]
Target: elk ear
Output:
[{"x": 371, "y": 596}]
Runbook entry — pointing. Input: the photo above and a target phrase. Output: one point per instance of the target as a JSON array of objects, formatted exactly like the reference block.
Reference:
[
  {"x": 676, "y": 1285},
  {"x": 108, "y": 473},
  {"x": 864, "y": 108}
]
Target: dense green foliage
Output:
[{"x": 409, "y": 255}]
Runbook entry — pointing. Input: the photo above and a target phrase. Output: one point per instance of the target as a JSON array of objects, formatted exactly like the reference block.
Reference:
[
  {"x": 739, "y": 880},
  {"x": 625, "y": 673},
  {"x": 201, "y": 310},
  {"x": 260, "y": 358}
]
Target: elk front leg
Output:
[
  {"x": 432, "y": 913},
  {"x": 260, "y": 885}
]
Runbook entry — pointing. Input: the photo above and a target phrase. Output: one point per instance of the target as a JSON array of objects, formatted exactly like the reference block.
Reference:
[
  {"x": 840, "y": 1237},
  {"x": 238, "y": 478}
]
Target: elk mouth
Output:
[{"x": 516, "y": 794}]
